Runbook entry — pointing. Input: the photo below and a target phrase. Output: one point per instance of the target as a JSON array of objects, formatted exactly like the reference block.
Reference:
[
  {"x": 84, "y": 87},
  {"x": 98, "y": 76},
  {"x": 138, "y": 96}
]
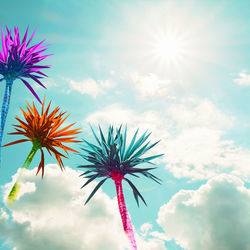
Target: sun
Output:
[{"x": 169, "y": 48}]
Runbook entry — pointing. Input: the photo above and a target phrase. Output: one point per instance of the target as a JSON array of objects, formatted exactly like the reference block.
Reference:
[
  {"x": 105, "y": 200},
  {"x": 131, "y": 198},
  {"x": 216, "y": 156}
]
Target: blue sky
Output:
[{"x": 178, "y": 68}]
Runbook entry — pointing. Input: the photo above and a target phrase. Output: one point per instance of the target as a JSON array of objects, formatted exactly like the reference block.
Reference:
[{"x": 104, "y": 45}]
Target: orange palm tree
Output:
[{"x": 43, "y": 130}]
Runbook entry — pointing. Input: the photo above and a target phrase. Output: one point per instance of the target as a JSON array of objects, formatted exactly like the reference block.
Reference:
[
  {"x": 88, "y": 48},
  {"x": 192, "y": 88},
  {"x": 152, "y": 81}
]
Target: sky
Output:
[{"x": 180, "y": 69}]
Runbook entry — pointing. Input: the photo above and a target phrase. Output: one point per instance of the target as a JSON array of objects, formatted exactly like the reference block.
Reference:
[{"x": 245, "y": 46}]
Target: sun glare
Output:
[{"x": 168, "y": 48}]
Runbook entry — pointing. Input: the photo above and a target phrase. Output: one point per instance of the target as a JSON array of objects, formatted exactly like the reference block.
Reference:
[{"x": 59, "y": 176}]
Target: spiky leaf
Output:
[
  {"x": 95, "y": 189},
  {"x": 112, "y": 154}
]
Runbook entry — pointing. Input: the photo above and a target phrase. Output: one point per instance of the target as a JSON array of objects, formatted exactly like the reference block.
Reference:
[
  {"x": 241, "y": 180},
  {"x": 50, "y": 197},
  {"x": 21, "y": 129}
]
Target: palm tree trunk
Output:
[
  {"x": 127, "y": 226},
  {"x": 4, "y": 111},
  {"x": 15, "y": 189}
]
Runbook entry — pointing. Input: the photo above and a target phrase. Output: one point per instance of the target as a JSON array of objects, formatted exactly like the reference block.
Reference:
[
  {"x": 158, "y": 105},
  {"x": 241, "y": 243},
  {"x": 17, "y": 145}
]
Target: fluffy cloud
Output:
[
  {"x": 90, "y": 86},
  {"x": 117, "y": 114},
  {"x": 191, "y": 134},
  {"x": 197, "y": 127},
  {"x": 50, "y": 214},
  {"x": 193, "y": 112},
  {"x": 149, "y": 85},
  {"x": 216, "y": 216},
  {"x": 243, "y": 79}
]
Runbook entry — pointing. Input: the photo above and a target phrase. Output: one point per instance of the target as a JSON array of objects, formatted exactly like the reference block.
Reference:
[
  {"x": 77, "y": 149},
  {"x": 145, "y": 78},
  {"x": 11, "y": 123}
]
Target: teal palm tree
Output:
[{"x": 112, "y": 158}]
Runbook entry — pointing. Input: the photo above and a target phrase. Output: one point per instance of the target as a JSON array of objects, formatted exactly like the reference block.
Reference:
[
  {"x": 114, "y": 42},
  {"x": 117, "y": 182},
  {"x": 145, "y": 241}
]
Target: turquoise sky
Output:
[{"x": 113, "y": 63}]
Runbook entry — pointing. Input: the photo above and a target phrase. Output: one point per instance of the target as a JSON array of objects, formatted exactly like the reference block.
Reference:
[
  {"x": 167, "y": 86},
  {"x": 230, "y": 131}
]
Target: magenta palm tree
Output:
[
  {"x": 111, "y": 158},
  {"x": 18, "y": 61}
]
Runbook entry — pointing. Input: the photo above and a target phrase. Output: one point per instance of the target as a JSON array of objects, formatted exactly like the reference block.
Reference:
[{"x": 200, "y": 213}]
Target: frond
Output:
[
  {"x": 45, "y": 129},
  {"x": 95, "y": 189},
  {"x": 111, "y": 154},
  {"x": 135, "y": 192}
]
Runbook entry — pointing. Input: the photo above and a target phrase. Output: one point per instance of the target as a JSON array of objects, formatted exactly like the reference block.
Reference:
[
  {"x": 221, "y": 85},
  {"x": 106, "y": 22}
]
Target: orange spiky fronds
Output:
[{"x": 45, "y": 130}]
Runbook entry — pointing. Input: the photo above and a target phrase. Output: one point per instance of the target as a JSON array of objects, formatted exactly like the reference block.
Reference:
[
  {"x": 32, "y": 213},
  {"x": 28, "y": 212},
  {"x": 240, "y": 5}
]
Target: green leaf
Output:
[
  {"x": 110, "y": 135},
  {"x": 112, "y": 152},
  {"x": 95, "y": 135},
  {"x": 91, "y": 178},
  {"x": 151, "y": 176},
  {"x": 95, "y": 189},
  {"x": 85, "y": 157},
  {"x": 123, "y": 143},
  {"x": 154, "y": 176},
  {"x": 118, "y": 135},
  {"x": 147, "y": 159},
  {"x": 91, "y": 166},
  {"x": 93, "y": 154},
  {"x": 86, "y": 172},
  {"x": 139, "y": 142},
  {"x": 141, "y": 151},
  {"x": 131, "y": 144},
  {"x": 101, "y": 134},
  {"x": 96, "y": 149},
  {"x": 86, "y": 166},
  {"x": 134, "y": 175},
  {"x": 151, "y": 146},
  {"x": 94, "y": 160},
  {"x": 136, "y": 192},
  {"x": 132, "y": 170}
]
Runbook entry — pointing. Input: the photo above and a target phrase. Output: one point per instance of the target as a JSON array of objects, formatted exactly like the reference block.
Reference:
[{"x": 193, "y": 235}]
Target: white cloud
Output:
[
  {"x": 149, "y": 85},
  {"x": 195, "y": 148},
  {"x": 196, "y": 153},
  {"x": 216, "y": 216},
  {"x": 114, "y": 114},
  {"x": 191, "y": 134},
  {"x": 243, "y": 79},
  {"x": 146, "y": 227},
  {"x": 53, "y": 216},
  {"x": 117, "y": 114},
  {"x": 153, "y": 243},
  {"x": 193, "y": 112},
  {"x": 90, "y": 86}
]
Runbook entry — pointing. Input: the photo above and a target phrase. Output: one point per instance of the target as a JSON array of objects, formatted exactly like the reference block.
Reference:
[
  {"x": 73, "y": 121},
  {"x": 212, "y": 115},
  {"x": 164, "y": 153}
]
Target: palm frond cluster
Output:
[
  {"x": 112, "y": 158},
  {"x": 19, "y": 61},
  {"x": 45, "y": 130}
]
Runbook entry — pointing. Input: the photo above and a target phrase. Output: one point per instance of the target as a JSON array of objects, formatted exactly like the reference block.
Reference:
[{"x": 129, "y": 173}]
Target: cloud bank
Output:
[
  {"x": 50, "y": 214},
  {"x": 216, "y": 216}
]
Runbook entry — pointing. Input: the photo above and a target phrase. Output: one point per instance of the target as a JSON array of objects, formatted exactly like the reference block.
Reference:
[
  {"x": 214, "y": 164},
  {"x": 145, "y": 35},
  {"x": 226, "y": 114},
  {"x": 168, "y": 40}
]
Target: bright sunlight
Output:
[{"x": 169, "y": 48}]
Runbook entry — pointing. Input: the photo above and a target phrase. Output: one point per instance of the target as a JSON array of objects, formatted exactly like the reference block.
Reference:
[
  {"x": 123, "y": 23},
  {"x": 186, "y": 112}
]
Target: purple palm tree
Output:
[{"x": 17, "y": 61}]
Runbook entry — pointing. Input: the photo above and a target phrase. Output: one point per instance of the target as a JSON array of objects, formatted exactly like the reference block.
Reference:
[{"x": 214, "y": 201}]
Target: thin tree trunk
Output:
[
  {"x": 127, "y": 226},
  {"x": 4, "y": 111},
  {"x": 15, "y": 189}
]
